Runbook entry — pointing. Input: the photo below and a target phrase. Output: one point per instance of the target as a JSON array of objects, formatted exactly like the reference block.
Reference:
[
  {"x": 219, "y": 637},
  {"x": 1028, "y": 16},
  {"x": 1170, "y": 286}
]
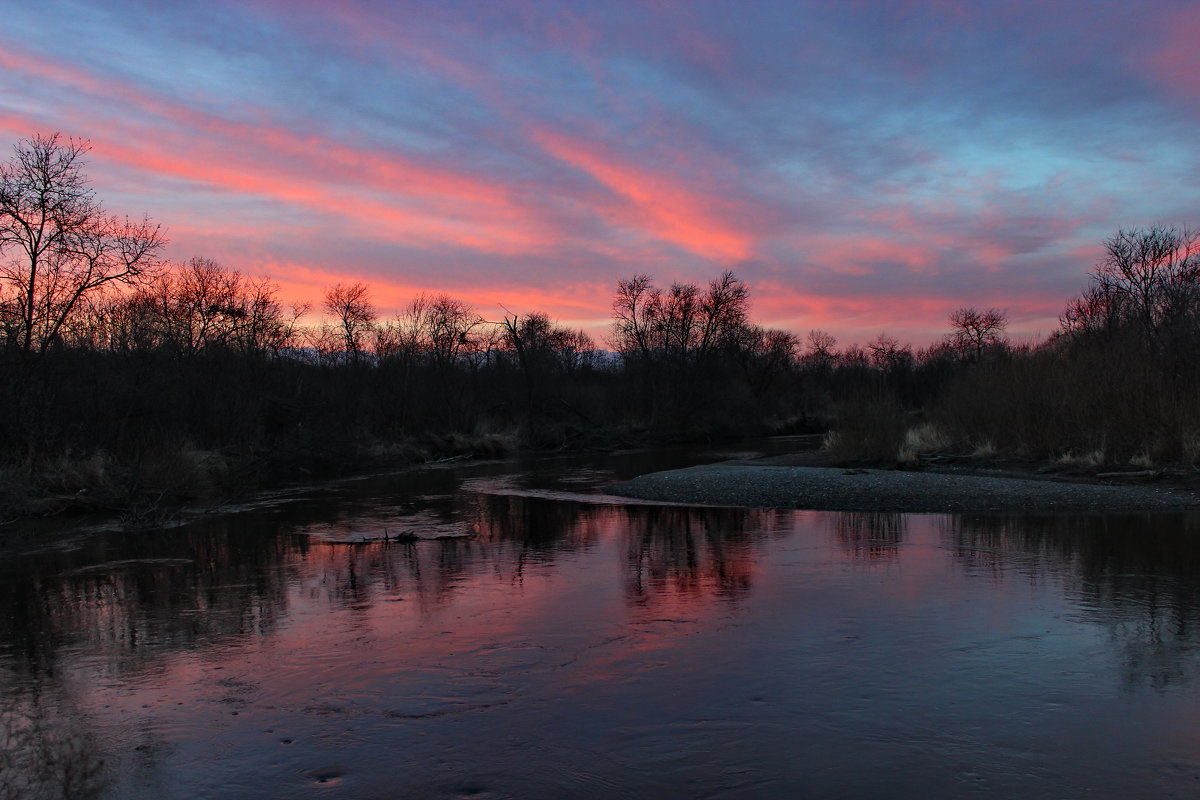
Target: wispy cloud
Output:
[{"x": 863, "y": 165}]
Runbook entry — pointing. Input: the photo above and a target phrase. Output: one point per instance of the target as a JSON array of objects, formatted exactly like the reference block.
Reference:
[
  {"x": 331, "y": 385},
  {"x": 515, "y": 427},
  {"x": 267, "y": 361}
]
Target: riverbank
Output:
[
  {"x": 163, "y": 483},
  {"x": 172, "y": 482},
  {"x": 806, "y": 482}
]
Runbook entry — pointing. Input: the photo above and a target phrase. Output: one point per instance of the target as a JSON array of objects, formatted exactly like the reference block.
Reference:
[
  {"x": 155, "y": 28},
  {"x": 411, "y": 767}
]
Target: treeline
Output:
[
  {"x": 128, "y": 380},
  {"x": 1118, "y": 384},
  {"x": 197, "y": 376}
]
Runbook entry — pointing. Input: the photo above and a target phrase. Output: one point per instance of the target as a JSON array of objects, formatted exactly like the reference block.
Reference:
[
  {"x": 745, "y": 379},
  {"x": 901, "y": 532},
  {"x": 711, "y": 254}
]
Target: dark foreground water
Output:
[{"x": 536, "y": 645}]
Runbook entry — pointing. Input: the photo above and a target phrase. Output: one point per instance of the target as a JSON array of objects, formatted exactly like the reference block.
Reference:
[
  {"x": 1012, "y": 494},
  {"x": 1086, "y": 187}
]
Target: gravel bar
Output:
[{"x": 838, "y": 489}]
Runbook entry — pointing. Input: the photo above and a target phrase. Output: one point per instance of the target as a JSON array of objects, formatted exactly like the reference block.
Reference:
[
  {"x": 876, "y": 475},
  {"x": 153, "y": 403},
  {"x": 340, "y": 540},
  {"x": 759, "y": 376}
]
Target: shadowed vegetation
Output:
[
  {"x": 1118, "y": 385},
  {"x": 135, "y": 385}
]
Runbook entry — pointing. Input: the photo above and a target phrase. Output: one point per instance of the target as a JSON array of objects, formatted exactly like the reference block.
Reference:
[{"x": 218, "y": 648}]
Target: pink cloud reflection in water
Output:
[{"x": 590, "y": 650}]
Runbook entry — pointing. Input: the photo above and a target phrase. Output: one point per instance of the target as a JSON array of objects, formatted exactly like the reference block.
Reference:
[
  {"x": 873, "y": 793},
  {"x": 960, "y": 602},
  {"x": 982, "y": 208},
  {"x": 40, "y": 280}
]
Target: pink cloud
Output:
[
  {"x": 861, "y": 255},
  {"x": 654, "y": 203},
  {"x": 382, "y": 192},
  {"x": 1176, "y": 62},
  {"x": 577, "y": 304}
]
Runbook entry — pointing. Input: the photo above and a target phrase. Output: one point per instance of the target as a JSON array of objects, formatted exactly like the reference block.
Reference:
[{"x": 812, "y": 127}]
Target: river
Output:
[{"x": 539, "y": 640}]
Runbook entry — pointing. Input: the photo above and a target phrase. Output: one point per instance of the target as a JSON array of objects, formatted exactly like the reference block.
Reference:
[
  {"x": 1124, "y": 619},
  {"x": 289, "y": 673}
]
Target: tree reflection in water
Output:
[
  {"x": 133, "y": 596},
  {"x": 47, "y": 748},
  {"x": 136, "y": 598},
  {"x": 870, "y": 536},
  {"x": 691, "y": 553},
  {"x": 125, "y": 607},
  {"x": 1138, "y": 576}
]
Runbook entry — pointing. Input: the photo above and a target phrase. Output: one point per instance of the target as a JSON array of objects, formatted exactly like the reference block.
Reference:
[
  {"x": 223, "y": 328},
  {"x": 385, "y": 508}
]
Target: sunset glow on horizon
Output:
[{"x": 863, "y": 166}]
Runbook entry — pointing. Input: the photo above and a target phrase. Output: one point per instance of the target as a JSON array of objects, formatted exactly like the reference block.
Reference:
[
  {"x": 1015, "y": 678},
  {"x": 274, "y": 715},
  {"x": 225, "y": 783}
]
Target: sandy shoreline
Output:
[{"x": 841, "y": 489}]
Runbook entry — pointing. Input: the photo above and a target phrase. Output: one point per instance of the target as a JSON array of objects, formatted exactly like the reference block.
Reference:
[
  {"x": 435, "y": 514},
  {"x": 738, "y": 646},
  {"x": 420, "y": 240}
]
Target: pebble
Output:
[{"x": 835, "y": 489}]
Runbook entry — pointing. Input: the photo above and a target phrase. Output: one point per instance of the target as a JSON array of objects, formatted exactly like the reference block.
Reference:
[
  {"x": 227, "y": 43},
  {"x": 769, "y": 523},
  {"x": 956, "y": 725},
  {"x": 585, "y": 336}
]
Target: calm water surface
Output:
[{"x": 538, "y": 642}]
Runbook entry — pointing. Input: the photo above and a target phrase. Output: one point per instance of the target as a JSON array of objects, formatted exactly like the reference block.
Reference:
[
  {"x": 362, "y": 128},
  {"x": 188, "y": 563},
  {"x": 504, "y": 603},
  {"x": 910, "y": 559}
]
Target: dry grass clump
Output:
[
  {"x": 1090, "y": 460},
  {"x": 160, "y": 478},
  {"x": 70, "y": 473},
  {"x": 924, "y": 437},
  {"x": 984, "y": 450},
  {"x": 1142, "y": 459},
  {"x": 1191, "y": 448}
]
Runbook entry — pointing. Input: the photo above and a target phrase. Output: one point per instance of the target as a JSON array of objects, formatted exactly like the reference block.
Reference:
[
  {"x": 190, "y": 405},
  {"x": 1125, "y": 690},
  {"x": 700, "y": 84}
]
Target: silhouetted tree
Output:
[
  {"x": 973, "y": 331},
  {"x": 354, "y": 315},
  {"x": 529, "y": 339},
  {"x": 574, "y": 349},
  {"x": 266, "y": 325},
  {"x": 765, "y": 355},
  {"x": 888, "y": 354},
  {"x": 58, "y": 246},
  {"x": 1149, "y": 279},
  {"x": 202, "y": 305},
  {"x": 444, "y": 328},
  {"x": 822, "y": 346},
  {"x": 636, "y": 313},
  {"x": 548, "y": 355},
  {"x": 725, "y": 308},
  {"x": 674, "y": 338}
]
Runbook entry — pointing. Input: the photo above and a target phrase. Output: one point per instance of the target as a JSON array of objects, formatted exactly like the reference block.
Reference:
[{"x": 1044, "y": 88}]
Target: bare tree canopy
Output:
[
  {"x": 57, "y": 244},
  {"x": 354, "y": 315},
  {"x": 1149, "y": 279},
  {"x": 681, "y": 323},
  {"x": 887, "y": 353},
  {"x": 539, "y": 342},
  {"x": 821, "y": 343},
  {"x": 974, "y": 331},
  {"x": 635, "y": 312},
  {"x": 444, "y": 327},
  {"x": 198, "y": 306}
]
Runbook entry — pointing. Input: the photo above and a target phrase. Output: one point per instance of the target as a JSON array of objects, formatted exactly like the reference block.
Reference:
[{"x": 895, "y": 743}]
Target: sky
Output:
[{"x": 863, "y": 166}]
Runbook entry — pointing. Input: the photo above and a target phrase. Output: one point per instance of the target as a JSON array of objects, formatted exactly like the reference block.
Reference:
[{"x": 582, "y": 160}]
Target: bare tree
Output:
[
  {"x": 575, "y": 350},
  {"x": 350, "y": 306},
  {"x": 764, "y": 354},
  {"x": 973, "y": 331},
  {"x": 1143, "y": 265},
  {"x": 57, "y": 244},
  {"x": 636, "y": 317},
  {"x": 679, "y": 322},
  {"x": 724, "y": 310},
  {"x": 679, "y": 325},
  {"x": 854, "y": 356},
  {"x": 1091, "y": 312},
  {"x": 197, "y": 306},
  {"x": 447, "y": 326},
  {"x": 1149, "y": 279},
  {"x": 266, "y": 327},
  {"x": 821, "y": 352},
  {"x": 821, "y": 344},
  {"x": 888, "y": 354},
  {"x": 433, "y": 329},
  {"x": 529, "y": 338},
  {"x": 541, "y": 345}
]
